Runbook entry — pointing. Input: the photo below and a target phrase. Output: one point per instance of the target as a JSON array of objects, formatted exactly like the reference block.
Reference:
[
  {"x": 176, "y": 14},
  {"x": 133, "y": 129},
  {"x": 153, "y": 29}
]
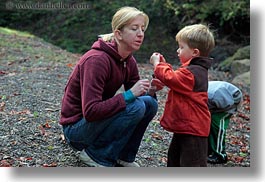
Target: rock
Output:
[
  {"x": 242, "y": 79},
  {"x": 220, "y": 53},
  {"x": 240, "y": 66},
  {"x": 242, "y": 53}
]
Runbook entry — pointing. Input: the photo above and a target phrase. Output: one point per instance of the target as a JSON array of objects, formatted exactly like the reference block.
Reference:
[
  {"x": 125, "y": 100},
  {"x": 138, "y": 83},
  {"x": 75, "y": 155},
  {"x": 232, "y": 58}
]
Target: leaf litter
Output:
[{"x": 31, "y": 89}]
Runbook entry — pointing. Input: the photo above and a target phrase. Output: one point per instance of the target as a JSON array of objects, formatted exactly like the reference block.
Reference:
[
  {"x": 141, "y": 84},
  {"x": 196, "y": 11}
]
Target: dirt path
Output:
[{"x": 32, "y": 79}]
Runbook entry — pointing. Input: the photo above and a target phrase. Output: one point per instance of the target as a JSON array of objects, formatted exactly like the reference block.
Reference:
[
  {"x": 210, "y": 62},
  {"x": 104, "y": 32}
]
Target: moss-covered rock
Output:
[
  {"x": 242, "y": 79},
  {"x": 239, "y": 66},
  {"x": 240, "y": 54}
]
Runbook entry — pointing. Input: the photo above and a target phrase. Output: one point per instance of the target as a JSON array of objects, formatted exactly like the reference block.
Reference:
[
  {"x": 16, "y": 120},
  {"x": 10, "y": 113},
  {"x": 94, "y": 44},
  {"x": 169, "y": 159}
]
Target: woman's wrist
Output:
[{"x": 128, "y": 96}]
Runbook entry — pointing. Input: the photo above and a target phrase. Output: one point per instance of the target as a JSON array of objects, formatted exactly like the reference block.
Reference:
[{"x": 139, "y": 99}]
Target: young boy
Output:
[
  {"x": 186, "y": 111},
  {"x": 223, "y": 101}
]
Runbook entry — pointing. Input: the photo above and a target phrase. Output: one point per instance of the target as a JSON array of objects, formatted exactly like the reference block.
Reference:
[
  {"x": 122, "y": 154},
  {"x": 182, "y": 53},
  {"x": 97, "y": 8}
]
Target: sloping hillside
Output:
[{"x": 33, "y": 74}]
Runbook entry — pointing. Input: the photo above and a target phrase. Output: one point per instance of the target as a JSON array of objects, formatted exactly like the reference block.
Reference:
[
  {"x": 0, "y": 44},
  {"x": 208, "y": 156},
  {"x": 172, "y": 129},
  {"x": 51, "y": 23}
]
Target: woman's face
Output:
[{"x": 132, "y": 35}]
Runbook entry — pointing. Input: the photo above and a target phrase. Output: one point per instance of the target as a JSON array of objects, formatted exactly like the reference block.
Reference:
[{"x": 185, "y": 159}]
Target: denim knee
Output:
[
  {"x": 137, "y": 108},
  {"x": 151, "y": 104}
]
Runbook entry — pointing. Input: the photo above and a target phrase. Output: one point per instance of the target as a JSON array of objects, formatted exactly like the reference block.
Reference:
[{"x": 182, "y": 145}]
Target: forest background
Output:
[{"x": 75, "y": 25}]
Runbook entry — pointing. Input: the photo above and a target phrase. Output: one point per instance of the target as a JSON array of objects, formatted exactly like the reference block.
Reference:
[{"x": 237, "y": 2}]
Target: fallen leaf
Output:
[
  {"x": 157, "y": 136},
  {"x": 70, "y": 65},
  {"x": 62, "y": 137},
  {"x": 164, "y": 159},
  {"x": 46, "y": 125},
  {"x": 42, "y": 130},
  {"x": 50, "y": 165},
  {"x": 4, "y": 163},
  {"x": 2, "y": 106}
]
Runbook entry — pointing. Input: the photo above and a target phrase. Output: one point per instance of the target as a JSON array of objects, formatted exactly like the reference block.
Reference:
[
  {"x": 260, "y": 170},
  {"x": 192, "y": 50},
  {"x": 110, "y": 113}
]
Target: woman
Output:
[{"x": 107, "y": 127}]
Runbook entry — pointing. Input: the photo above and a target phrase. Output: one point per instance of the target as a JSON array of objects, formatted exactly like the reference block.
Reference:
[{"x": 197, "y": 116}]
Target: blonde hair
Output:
[
  {"x": 122, "y": 18},
  {"x": 197, "y": 36}
]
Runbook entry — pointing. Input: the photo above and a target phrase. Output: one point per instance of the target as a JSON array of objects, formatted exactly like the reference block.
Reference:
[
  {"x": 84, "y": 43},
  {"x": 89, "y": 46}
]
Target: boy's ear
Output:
[
  {"x": 117, "y": 33},
  {"x": 196, "y": 52}
]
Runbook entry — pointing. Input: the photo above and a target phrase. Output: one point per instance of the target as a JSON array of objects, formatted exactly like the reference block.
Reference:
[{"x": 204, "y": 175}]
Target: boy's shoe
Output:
[
  {"x": 87, "y": 160},
  {"x": 215, "y": 159},
  {"x": 127, "y": 164}
]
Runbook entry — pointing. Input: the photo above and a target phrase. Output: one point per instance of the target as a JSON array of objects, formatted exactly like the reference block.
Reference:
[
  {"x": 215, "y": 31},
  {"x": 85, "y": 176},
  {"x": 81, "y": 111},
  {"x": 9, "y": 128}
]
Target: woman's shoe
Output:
[
  {"x": 127, "y": 164},
  {"x": 87, "y": 160}
]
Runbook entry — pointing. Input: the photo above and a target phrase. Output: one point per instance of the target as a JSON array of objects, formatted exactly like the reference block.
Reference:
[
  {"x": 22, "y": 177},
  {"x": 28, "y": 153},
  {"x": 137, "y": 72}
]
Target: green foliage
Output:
[
  {"x": 76, "y": 30},
  {"x": 226, "y": 16}
]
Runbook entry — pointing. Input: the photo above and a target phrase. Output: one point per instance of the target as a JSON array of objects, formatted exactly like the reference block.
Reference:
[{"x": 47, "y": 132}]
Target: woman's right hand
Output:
[{"x": 140, "y": 87}]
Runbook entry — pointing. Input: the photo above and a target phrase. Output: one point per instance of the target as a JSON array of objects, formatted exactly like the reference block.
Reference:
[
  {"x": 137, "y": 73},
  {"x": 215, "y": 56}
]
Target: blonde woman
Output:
[{"x": 107, "y": 128}]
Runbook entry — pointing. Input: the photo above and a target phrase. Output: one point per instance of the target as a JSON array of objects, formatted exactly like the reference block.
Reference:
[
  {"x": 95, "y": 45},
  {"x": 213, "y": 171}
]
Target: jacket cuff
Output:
[{"x": 128, "y": 96}]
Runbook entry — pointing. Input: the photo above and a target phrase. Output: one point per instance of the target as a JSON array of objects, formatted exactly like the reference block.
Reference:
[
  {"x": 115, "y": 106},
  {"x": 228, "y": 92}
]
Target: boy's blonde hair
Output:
[
  {"x": 197, "y": 36},
  {"x": 122, "y": 18}
]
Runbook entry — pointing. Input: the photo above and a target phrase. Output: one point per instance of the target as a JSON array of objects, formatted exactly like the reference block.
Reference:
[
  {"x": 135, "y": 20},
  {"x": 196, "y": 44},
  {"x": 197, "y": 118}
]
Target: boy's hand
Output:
[
  {"x": 155, "y": 86},
  {"x": 157, "y": 83},
  {"x": 156, "y": 58}
]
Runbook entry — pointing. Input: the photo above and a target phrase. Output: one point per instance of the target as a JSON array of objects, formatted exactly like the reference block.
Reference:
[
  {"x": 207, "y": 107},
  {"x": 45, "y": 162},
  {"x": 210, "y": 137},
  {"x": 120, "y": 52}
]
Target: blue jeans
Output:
[{"x": 118, "y": 137}]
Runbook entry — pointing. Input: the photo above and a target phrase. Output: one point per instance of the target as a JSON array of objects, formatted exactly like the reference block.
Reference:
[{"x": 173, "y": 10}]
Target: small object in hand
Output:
[{"x": 151, "y": 90}]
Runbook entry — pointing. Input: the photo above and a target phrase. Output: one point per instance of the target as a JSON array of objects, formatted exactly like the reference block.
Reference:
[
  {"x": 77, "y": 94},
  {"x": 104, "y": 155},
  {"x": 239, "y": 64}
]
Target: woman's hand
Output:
[{"x": 140, "y": 87}]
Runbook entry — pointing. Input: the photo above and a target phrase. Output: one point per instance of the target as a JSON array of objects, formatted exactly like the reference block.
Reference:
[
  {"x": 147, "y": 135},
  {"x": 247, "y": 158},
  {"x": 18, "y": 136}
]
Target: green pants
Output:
[{"x": 219, "y": 124}]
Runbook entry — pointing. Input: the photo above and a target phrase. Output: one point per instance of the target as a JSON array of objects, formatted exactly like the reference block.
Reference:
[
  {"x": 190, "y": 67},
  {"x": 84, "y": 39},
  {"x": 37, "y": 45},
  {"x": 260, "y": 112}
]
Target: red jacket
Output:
[
  {"x": 186, "y": 110},
  {"x": 91, "y": 88}
]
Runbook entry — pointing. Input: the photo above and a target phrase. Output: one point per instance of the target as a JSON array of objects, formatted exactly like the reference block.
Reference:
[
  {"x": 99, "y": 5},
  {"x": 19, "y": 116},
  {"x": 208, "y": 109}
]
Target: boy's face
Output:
[{"x": 185, "y": 53}]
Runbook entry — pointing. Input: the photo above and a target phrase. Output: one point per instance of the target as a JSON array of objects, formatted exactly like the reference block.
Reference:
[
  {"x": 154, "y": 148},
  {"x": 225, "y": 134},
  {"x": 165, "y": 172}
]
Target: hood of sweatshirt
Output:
[{"x": 109, "y": 47}]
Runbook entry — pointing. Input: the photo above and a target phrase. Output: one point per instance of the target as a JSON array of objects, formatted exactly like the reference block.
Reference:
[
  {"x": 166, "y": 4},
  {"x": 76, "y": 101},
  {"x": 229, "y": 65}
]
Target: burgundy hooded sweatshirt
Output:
[{"x": 90, "y": 92}]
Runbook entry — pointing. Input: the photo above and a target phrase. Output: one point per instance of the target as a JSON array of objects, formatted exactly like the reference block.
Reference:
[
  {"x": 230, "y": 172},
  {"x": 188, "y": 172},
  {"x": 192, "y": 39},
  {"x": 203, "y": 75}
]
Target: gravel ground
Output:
[
  {"x": 31, "y": 136},
  {"x": 30, "y": 97}
]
